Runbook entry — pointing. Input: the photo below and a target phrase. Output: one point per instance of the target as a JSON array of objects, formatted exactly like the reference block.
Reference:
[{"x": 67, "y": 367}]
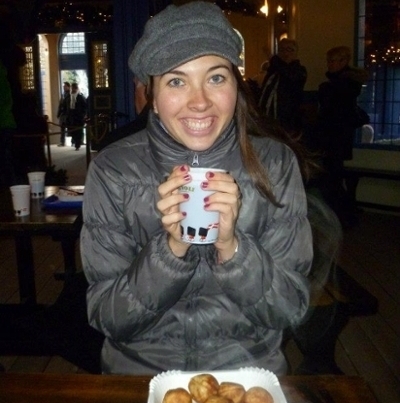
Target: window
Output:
[
  {"x": 73, "y": 60},
  {"x": 73, "y": 43},
  {"x": 27, "y": 72},
  {"x": 379, "y": 52},
  {"x": 100, "y": 67}
]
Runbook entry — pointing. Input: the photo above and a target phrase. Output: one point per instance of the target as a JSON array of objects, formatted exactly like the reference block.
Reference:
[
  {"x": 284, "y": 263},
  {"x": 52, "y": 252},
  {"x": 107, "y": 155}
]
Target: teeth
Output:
[{"x": 198, "y": 124}]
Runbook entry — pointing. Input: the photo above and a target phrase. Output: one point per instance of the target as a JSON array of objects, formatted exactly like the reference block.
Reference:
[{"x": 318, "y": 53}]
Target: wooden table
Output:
[
  {"x": 62, "y": 225},
  {"x": 80, "y": 388}
]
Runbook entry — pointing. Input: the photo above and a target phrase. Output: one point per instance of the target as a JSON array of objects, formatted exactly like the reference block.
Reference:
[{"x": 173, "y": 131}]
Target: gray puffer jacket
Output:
[{"x": 160, "y": 312}]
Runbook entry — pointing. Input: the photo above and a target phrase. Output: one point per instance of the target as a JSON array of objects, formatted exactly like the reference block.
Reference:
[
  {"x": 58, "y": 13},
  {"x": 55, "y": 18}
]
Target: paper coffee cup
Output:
[
  {"x": 199, "y": 226},
  {"x": 36, "y": 180},
  {"x": 21, "y": 198}
]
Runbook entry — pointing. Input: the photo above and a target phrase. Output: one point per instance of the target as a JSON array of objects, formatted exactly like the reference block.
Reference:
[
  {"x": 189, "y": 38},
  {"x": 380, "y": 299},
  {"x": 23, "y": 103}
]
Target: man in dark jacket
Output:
[
  {"x": 76, "y": 102},
  {"x": 282, "y": 88},
  {"x": 337, "y": 118}
]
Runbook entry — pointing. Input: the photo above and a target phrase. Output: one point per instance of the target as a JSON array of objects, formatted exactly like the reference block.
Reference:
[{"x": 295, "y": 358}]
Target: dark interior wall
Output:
[
  {"x": 129, "y": 20},
  {"x": 130, "y": 17}
]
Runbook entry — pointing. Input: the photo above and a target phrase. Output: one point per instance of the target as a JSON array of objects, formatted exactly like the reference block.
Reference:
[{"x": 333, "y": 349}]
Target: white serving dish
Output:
[
  {"x": 70, "y": 195},
  {"x": 248, "y": 377}
]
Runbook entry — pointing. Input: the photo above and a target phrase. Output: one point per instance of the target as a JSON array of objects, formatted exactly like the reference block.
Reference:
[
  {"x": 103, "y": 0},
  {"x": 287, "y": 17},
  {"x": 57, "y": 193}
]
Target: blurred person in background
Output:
[
  {"x": 282, "y": 88},
  {"x": 139, "y": 123},
  {"x": 336, "y": 127},
  {"x": 7, "y": 128},
  {"x": 62, "y": 113},
  {"x": 77, "y": 110}
]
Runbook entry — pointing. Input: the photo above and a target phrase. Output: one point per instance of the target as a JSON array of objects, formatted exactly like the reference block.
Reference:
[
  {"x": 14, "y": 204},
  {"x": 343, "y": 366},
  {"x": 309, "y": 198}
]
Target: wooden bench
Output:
[{"x": 352, "y": 176}]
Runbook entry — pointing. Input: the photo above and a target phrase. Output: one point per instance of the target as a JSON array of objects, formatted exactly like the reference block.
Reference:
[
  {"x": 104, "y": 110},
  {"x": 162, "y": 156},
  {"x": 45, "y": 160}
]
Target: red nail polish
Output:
[
  {"x": 206, "y": 206},
  {"x": 186, "y": 196},
  {"x": 183, "y": 168},
  {"x": 184, "y": 213},
  {"x": 187, "y": 177},
  {"x": 206, "y": 199},
  {"x": 211, "y": 174},
  {"x": 204, "y": 184}
]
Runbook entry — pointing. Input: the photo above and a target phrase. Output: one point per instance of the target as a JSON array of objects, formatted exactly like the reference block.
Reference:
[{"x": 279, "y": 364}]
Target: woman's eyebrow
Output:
[
  {"x": 219, "y": 66},
  {"x": 174, "y": 72},
  {"x": 178, "y": 72}
]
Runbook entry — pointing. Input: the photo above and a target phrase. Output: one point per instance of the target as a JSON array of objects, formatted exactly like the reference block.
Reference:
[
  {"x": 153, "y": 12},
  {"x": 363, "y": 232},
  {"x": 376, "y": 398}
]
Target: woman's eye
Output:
[
  {"x": 175, "y": 82},
  {"x": 218, "y": 78}
]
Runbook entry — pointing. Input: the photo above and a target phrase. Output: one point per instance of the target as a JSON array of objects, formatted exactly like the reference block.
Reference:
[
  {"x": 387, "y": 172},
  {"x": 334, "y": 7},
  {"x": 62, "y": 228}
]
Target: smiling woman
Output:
[{"x": 162, "y": 302}]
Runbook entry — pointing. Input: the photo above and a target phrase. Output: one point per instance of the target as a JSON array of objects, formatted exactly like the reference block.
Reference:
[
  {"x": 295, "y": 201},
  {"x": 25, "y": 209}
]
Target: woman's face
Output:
[{"x": 196, "y": 101}]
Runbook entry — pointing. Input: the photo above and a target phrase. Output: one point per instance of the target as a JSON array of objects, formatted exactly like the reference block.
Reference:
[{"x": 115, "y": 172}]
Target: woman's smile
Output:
[{"x": 198, "y": 125}]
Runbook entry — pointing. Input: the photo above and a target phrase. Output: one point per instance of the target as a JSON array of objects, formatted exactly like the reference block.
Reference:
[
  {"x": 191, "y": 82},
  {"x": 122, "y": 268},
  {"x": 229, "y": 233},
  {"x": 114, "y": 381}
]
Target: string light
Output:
[
  {"x": 264, "y": 9},
  {"x": 61, "y": 15},
  {"x": 58, "y": 16},
  {"x": 389, "y": 55}
]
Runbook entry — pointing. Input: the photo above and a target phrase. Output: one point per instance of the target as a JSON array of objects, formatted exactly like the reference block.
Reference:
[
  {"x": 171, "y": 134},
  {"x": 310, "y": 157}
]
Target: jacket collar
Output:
[{"x": 168, "y": 153}]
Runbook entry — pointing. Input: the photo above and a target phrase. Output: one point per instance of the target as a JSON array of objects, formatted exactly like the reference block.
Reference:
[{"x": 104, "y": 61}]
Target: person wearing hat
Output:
[{"x": 164, "y": 304}]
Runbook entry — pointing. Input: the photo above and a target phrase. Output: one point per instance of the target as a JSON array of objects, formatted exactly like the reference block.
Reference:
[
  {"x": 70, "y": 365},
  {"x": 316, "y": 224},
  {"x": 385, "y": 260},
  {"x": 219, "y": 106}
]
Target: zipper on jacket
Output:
[{"x": 195, "y": 161}]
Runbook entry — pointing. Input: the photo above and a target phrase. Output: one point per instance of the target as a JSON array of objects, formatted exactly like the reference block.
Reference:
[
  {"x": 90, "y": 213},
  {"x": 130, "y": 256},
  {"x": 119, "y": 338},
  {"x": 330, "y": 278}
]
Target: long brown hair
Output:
[{"x": 249, "y": 122}]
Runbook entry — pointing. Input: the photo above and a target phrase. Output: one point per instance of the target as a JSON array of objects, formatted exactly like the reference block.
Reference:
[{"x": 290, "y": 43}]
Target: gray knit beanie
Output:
[{"x": 179, "y": 34}]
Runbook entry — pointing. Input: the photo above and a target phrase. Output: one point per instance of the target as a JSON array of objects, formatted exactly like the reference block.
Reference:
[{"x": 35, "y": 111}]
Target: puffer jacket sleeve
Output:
[
  {"x": 130, "y": 287},
  {"x": 272, "y": 269}
]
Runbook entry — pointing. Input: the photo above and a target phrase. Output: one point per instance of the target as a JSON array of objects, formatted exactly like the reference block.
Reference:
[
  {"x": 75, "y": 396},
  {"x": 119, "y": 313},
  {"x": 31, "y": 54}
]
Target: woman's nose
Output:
[{"x": 199, "y": 99}]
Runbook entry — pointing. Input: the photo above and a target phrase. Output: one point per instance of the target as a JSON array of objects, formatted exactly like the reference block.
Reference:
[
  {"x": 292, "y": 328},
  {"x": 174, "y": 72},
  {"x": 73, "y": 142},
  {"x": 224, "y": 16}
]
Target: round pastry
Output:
[
  {"x": 233, "y": 391},
  {"x": 202, "y": 386},
  {"x": 178, "y": 395},
  {"x": 218, "y": 399},
  {"x": 257, "y": 394}
]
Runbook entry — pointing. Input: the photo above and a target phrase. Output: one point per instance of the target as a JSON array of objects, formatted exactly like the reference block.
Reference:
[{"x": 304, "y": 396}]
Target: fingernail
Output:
[
  {"x": 183, "y": 168},
  {"x": 204, "y": 184},
  {"x": 187, "y": 177},
  {"x": 184, "y": 213},
  {"x": 210, "y": 174},
  {"x": 206, "y": 206},
  {"x": 186, "y": 196},
  {"x": 206, "y": 199}
]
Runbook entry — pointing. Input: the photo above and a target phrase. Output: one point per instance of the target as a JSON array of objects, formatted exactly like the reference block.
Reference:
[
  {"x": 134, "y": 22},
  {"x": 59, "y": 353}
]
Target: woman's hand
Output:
[
  {"x": 227, "y": 201},
  {"x": 168, "y": 205}
]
